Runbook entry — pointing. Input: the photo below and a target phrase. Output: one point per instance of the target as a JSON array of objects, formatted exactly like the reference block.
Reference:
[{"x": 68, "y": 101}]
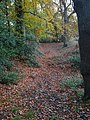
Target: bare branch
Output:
[
  {"x": 69, "y": 5},
  {"x": 71, "y": 14},
  {"x": 1, "y": 0}
]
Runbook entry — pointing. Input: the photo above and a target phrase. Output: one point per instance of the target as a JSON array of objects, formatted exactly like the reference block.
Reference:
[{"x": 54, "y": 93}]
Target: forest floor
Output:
[{"x": 42, "y": 94}]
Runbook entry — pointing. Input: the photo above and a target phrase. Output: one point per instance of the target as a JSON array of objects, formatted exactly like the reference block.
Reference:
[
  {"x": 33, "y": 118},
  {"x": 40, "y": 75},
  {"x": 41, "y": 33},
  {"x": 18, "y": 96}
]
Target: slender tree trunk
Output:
[
  {"x": 65, "y": 16},
  {"x": 82, "y": 8},
  {"x": 56, "y": 30},
  {"x": 8, "y": 22},
  {"x": 19, "y": 17},
  {"x": 65, "y": 38}
]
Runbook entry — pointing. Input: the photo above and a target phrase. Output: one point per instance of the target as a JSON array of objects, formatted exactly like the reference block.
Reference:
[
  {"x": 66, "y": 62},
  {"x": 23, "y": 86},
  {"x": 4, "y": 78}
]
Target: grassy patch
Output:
[
  {"x": 54, "y": 117},
  {"x": 30, "y": 115},
  {"x": 72, "y": 83},
  {"x": 17, "y": 118},
  {"x": 75, "y": 62},
  {"x": 9, "y": 78},
  {"x": 75, "y": 59}
]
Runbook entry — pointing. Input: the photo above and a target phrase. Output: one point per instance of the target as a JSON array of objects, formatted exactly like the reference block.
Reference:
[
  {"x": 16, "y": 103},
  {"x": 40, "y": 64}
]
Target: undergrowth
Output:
[
  {"x": 72, "y": 83},
  {"x": 75, "y": 60},
  {"x": 9, "y": 50},
  {"x": 13, "y": 46}
]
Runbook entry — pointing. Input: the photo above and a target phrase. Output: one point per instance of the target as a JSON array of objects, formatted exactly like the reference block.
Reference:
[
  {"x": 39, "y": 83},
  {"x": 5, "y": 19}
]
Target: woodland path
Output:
[{"x": 41, "y": 90}]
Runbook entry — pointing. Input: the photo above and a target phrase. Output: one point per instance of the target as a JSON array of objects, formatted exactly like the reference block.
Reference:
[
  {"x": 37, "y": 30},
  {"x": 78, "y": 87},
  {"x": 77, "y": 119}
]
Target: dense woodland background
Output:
[
  {"x": 23, "y": 24},
  {"x": 40, "y": 61}
]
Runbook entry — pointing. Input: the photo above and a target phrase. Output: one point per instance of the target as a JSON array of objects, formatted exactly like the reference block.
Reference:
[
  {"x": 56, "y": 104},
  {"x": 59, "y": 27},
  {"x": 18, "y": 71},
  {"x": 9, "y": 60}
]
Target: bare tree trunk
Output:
[
  {"x": 19, "y": 18},
  {"x": 82, "y": 8},
  {"x": 66, "y": 21},
  {"x": 65, "y": 38},
  {"x": 7, "y": 17},
  {"x": 56, "y": 30}
]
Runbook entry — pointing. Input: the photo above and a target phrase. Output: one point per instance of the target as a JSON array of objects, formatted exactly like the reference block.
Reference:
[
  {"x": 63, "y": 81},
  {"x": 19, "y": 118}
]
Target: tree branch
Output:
[
  {"x": 1, "y": 0},
  {"x": 35, "y": 15},
  {"x": 71, "y": 14}
]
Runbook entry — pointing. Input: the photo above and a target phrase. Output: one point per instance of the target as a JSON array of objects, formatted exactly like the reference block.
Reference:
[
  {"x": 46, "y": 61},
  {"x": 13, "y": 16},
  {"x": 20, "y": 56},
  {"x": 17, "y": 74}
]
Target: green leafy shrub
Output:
[
  {"x": 17, "y": 118},
  {"x": 9, "y": 78},
  {"x": 28, "y": 53},
  {"x": 54, "y": 117},
  {"x": 15, "y": 109},
  {"x": 47, "y": 39},
  {"x": 30, "y": 115},
  {"x": 12, "y": 46},
  {"x": 15, "y": 48},
  {"x": 7, "y": 52},
  {"x": 30, "y": 37},
  {"x": 75, "y": 60},
  {"x": 72, "y": 83},
  {"x": 5, "y": 64}
]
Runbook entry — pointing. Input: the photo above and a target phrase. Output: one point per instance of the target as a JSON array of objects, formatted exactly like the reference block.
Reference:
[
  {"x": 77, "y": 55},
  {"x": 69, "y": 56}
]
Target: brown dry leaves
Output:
[{"x": 41, "y": 90}]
